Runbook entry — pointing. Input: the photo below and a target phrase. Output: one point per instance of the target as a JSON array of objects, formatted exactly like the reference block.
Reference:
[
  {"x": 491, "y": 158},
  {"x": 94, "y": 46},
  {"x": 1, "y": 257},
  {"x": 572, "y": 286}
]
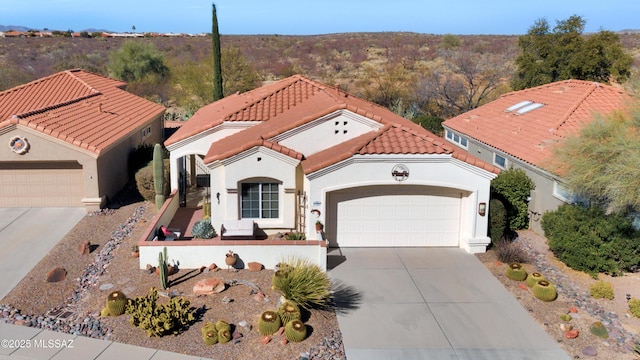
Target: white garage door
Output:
[
  {"x": 379, "y": 216},
  {"x": 41, "y": 185}
]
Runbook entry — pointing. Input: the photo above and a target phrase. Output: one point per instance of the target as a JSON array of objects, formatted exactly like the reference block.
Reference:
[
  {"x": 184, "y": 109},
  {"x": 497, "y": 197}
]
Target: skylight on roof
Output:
[
  {"x": 528, "y": 108},
  {"x": 518, "y": 105}
]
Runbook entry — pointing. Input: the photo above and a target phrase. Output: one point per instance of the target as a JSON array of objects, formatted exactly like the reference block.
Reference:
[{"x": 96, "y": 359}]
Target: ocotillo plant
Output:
[
  {"x": 163, "y": 268},
  {"x": 158, "y": 175}
]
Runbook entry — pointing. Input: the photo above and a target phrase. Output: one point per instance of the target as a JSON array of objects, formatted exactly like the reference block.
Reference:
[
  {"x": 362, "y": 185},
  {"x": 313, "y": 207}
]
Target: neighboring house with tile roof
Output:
[
  {"x": 68, "y": 137},
  {"x": 521, "y": 129},
  {"x": 296, "y": 151}
]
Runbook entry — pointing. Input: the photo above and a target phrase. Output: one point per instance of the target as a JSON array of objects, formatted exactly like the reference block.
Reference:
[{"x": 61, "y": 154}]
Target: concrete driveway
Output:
[
  {"x": 430, "y": 303},
  {"x": 26, "y": 235}
]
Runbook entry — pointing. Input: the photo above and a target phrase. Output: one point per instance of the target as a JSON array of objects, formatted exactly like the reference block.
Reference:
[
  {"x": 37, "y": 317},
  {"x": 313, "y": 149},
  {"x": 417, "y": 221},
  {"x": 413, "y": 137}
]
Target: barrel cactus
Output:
[
  {"x": 222, "y": 325},
  {"x": 295, "y": 331},
  {"x": 533, "y": 278},
  {"x": 116, "y": 303},
  {"x": 289, "y": 311},
  {"x": 517, "y": 272},
  {"x": 224, "y": 336},
  {"x": 203, "y": 229},
  {"x": 545, "y": 291},
  {"x": 209, "y": 334},
  {"x": 269, "y": 322}
]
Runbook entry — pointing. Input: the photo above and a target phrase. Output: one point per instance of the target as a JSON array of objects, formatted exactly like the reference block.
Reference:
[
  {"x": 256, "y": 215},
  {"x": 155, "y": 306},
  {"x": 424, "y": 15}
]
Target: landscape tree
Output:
[
  {"x": 465, "y": 80},
  {"x": 514, "y": 187},
  {"x": 565, "y": 53},
  {"x": 602, "y": 162},
  {"x": 387, "y": 84},
  {"x": 137, "y": 61},
  {"x": 217, "y": 57}
]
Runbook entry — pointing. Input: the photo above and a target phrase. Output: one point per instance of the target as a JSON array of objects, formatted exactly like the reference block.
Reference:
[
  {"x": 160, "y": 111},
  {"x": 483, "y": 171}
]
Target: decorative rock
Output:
[
  {"x": 265, "y": 340},
  {"x": 236, "y": 335},
  {"x": 151, "y": 269},
  {"x": 280, "y": 331},
  {"x": 566, "y": 327},
  {"x": 226, "y": 300},
  {"x": 573, "y": 309},
  {"x": 523, "y": 287},
  {"x": 259, "y": 297},
  {"x": 208, "y": 286},
  {"x": 105, "y": 287},
  {"x": 56, "y": 275},
  {"x": 255, "y": 266},
  {"x": 284, "y": 341},
  {"x": 213, "y": 267},
  {"x": 571, "y": 334},
  {"x": 84, "y": 248},
  {"x": 589, "y": 351}
]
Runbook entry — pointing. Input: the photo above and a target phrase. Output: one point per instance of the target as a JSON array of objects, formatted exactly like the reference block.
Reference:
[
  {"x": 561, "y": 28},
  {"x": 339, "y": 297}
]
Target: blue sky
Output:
[{"x": 302, "y": 17}]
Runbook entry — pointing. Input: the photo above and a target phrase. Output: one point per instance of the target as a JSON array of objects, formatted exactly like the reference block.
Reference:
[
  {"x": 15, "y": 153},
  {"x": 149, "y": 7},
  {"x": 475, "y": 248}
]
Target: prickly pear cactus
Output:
[{"x": 599, "y": 330}]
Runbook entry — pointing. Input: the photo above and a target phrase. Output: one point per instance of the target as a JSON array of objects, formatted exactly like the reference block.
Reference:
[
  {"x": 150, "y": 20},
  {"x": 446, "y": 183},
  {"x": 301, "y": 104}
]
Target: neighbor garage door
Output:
[
  {"x": 41, "y": 184},
  {"x": 393, "y": 216}
]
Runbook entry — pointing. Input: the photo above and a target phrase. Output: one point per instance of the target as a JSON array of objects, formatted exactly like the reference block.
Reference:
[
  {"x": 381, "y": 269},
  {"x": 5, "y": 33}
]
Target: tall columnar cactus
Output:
[
  {"x": 163, "y": 268},
  {"x": 116, "y": 303},
  {"x": 158, "y": 175}
]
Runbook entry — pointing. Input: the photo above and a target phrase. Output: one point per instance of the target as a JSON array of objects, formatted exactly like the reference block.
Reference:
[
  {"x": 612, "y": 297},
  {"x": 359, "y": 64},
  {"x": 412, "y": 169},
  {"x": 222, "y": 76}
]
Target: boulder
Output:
[
  {"x": 84, "y": 247},
  {"x": 254, "y": 266},
  {"x": 208, "y": 286},
  {"x": 57, "y": 274}
]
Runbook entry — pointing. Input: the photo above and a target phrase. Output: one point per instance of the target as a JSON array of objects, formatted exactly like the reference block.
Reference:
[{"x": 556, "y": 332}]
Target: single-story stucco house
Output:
[
  {"x": 67, "y": 138},
  {"x": 521, "y": 128},
  {"x": 298, "y": 151}
]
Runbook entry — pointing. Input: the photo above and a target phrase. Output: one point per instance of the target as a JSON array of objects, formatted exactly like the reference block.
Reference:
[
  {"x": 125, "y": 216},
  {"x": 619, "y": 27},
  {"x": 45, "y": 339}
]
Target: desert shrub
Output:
[
  {"x": 303, "y": 283},
  {"x": 498, "y": 221},
  {"x": 586, "y": 239},
  {"x": 634, "y": 307},
  {"x": 295, "y": 236},
  {"x": 515, "y": 187},
  {"x": 144, "y": 181},
  {"x": 601, "y": 290},
  {"x": 508, "y": 251}
]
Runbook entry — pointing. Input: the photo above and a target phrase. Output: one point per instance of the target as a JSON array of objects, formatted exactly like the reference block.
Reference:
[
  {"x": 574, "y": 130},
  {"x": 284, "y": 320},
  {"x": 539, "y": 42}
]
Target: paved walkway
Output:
[{"x": 421, "y": 303}]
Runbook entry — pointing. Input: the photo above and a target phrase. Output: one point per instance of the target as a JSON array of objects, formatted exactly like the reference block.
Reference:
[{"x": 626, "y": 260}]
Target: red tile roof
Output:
[
  {"x": 292, "y": 102},
  {"x": 84, "y": 109},
  {"x": 531, "y": 136}
]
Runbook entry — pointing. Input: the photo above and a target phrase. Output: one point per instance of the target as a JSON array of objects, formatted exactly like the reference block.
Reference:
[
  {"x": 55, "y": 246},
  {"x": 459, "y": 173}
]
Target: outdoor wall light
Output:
[
  {"x": 218, "y": 197},
  {"x": 482, "y": 208}
]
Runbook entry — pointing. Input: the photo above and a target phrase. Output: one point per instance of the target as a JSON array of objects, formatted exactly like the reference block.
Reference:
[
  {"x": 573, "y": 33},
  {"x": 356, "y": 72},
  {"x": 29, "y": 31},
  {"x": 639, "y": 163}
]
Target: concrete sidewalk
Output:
[{"x": 432, "y": 303}]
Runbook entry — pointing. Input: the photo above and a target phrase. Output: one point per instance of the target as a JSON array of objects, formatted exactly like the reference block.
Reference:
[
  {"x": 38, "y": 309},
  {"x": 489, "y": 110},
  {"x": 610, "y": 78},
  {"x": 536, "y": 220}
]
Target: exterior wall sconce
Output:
[{"x": 482, "y": 208}]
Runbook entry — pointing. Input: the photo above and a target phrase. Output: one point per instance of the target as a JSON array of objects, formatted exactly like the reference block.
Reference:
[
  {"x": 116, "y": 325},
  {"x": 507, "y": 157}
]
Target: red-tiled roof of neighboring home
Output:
[
  {"x": 292, "y": 102},
  {"x": 531, "y": 136},
  {"x": 84, "y": 109}
]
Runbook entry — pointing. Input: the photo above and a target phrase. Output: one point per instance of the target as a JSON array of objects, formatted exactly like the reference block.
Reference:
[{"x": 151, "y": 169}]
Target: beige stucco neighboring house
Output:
[
  {"x": 521, "y": 128},
  {"x": 65, "y": 139},
  {"x": 298, "y": 151}
]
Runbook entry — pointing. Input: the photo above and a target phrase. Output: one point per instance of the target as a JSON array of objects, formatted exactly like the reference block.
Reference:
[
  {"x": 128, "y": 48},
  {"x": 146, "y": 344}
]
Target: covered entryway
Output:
[
  {"x": 394, "y": 215},
  {"x": 41, "y": 184}
]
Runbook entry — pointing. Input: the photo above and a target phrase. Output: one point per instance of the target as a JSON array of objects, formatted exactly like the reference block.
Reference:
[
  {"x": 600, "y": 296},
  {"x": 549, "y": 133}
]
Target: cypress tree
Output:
[{"x": 217, "y": 66}]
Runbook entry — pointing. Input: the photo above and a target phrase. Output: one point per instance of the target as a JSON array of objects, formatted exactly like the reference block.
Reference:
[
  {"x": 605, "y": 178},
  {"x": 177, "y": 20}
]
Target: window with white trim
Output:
[
  {"x": 260, "y": 200},
  {"x": 461, "y": 141},
  {"x": 499, "y": 161}
]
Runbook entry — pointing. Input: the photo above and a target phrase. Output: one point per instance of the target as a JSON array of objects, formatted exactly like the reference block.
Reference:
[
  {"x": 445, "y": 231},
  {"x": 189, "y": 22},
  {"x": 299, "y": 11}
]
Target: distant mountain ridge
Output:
[{"x": 24, "y": 29}]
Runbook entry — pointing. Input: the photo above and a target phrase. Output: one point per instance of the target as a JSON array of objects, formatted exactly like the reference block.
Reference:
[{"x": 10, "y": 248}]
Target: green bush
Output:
[
  {"x": 498, "y": 221},
  {"x": 634, "y": 307},
  {"x": 303, "y": 283},
  {"x": 586, "y": 239},
  {"x": 160, "y": 319},
  {"x": 144, "y": 181},
  {"x": 515, "y": 187},
  {"x": 602, "y": 290}
]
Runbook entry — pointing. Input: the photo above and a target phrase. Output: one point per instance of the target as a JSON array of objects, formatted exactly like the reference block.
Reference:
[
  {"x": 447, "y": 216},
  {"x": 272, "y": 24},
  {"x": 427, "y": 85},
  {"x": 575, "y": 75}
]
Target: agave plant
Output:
[{"x": 302, "y": 283}]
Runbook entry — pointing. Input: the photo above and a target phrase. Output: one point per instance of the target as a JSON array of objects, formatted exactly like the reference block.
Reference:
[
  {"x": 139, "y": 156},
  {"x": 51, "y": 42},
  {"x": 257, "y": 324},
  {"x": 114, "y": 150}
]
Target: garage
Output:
[
  {"x": 394, "y": 215},
  {"x": 41, "y": 184}
]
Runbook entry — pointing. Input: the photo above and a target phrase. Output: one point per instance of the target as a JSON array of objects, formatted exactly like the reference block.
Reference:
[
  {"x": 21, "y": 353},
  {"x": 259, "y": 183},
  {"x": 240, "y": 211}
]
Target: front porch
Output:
[{"x": 194, "y": 253}]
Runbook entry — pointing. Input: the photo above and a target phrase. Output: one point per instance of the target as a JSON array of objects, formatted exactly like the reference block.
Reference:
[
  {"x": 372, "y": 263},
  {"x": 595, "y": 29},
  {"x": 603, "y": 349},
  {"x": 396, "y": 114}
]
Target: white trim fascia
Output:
[
  {"x": 203, "y": 134},
  {"x": 329, "y": 117},
  {"x": 385, "y": 158},
  {"x": 264, "y": 150},
  {"x": 474, "y": 169}
]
